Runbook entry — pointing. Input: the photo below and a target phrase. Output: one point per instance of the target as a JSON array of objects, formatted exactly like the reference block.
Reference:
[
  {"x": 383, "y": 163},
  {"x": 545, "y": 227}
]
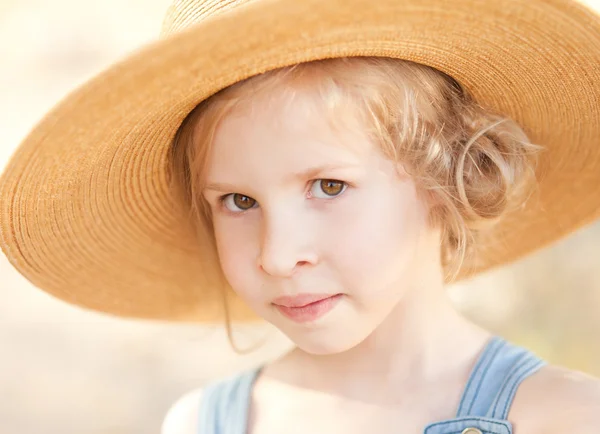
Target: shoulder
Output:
[
  {"x": 557, "y": 400},
  {"x": 182, "y": 416}
]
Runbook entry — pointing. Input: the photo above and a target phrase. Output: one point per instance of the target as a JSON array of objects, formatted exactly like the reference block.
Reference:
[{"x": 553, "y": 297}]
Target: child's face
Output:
[{"x": 285, "y": 234}]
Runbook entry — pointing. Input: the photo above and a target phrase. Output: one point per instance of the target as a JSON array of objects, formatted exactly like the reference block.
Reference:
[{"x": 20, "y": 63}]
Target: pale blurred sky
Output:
[{"x": 48, "y": 48}]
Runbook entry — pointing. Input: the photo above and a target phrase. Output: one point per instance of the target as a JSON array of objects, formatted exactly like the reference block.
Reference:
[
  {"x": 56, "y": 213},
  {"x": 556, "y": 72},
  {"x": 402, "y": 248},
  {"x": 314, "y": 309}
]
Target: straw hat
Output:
[{"x": 85, "y": 211}]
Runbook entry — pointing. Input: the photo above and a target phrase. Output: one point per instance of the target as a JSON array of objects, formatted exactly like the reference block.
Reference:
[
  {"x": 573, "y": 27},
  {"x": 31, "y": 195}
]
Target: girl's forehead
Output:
[
  {"x": 291, "y": 119},
  {"x": 268, "y": 143}
]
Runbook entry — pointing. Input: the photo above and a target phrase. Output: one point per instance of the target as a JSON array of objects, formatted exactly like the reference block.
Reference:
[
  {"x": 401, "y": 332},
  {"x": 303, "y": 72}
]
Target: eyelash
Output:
[{"x": 222, "y": 198}]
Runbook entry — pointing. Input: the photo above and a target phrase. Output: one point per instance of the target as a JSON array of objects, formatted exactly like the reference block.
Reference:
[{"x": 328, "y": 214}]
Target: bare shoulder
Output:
[
  {"x": 182, "y": 417},
  {"x": 557, "y": 400}
]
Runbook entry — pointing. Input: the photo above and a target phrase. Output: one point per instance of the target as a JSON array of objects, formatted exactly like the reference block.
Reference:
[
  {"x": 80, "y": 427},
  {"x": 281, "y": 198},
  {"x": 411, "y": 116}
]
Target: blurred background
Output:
[{"x": 65, "y": 370}]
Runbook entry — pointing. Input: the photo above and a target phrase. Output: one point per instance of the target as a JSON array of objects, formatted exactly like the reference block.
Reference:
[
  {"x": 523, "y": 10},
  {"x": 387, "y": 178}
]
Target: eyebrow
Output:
[{"x": 311, "y": 173}]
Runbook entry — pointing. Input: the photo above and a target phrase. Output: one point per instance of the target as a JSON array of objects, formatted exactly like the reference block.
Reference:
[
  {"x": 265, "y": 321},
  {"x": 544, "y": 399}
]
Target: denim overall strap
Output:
[
  {"x": 490, "y": 390},
  {"x": 495, "y": 378},
  {"x": 225, "y": 404}
]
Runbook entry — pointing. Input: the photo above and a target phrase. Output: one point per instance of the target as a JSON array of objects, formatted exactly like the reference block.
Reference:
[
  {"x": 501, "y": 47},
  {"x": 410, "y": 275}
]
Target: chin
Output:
[{"x": 322, "y": 342}]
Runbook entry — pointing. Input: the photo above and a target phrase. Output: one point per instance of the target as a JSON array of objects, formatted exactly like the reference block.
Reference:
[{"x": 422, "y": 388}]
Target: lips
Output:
[
  {"x": 300, "y": 299},
  {"x": 306, "y": 307}
]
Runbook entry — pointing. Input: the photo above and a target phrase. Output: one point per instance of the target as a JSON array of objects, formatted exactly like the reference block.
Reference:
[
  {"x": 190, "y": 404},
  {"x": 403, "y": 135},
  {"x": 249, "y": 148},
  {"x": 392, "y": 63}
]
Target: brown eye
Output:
[
  {"x": 243, "y": 202},
  {"x": 330, "y": 188},
  {"x": 238, "y": 202}
]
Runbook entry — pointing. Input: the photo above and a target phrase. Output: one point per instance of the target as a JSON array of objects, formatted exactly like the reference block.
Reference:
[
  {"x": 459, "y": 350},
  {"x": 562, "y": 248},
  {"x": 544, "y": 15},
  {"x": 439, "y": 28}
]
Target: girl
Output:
[{"x": 328, "y": 167}]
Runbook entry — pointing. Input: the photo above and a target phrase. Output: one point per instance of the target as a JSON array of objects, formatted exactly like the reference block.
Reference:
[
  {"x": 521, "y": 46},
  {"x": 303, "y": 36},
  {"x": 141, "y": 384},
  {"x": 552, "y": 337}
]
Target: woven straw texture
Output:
[{"x": 85, "y": 211}]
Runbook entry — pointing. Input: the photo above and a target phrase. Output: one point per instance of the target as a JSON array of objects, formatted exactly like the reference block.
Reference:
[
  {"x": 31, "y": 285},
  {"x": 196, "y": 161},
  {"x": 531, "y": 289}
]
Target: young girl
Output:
[{"x": 316, "y": 164}]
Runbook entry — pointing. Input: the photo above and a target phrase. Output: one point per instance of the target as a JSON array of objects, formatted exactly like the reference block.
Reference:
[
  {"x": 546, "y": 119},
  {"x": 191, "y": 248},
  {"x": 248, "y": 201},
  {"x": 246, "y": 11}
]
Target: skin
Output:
[{"x": 393, "y": 354}]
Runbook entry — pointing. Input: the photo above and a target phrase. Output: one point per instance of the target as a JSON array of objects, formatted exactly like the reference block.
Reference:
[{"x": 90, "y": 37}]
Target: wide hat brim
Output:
[{"x": 86, "y": 212}]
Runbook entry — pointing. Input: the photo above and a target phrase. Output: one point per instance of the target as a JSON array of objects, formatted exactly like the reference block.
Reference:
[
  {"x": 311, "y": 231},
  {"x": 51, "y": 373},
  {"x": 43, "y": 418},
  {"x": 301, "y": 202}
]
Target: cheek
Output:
[
  {"x": 235, "y": 249},
  {"x": 376, "y": 243}
]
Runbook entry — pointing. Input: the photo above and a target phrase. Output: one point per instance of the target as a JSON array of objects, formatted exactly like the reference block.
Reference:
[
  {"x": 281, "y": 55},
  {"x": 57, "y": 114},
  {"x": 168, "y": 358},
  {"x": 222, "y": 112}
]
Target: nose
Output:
[{"x": 285, "y": 245}]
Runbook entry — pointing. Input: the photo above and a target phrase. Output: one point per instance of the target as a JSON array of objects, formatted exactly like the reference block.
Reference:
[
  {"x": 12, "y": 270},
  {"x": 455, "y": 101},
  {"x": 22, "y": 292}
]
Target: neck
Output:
[{"x": 423, "y": 341}]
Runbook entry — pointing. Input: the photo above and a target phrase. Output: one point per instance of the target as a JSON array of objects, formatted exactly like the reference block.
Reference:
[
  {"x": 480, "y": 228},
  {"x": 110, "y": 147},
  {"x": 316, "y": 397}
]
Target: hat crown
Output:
[{"x": 184, "y": 13}]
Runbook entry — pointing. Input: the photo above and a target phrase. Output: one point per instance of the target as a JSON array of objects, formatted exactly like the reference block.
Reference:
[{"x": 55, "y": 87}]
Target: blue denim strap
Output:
[
  {"x": 494, "y": 380},
  {"x": 526, "y": 365},
  {"x": 225, "y": 405},
  {"x": 479, "y": 380},
  {"x": 490, "y": 390}
]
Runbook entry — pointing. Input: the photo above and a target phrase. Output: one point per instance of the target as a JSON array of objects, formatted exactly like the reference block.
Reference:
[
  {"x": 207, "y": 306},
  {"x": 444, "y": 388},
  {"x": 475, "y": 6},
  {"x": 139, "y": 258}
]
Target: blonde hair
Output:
[{"x": 473, "y": 164}]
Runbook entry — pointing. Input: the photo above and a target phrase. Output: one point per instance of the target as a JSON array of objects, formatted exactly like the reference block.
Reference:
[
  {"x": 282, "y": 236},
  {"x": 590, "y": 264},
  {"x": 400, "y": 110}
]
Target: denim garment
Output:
[{"x": 483, "y": 409}]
